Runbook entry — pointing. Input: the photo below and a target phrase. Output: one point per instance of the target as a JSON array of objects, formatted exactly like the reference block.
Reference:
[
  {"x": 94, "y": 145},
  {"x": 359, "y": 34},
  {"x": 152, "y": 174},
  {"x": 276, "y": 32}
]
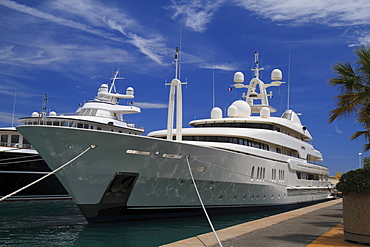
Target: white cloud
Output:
[
  {"x": 8, "y": 118},
  {"x": 338, "y": 130},
  {"x": 196, "y": 13},
  {"x": 115, "y": 19},
  {"x": 99, "y": 17},
  {"x": 56, "y": 19},
  {"x": 328, "y": 12},
  {"x": 226, "y": 67},
  {"x": 147, "y": 105},
  {"x": 42, "y": 52}
]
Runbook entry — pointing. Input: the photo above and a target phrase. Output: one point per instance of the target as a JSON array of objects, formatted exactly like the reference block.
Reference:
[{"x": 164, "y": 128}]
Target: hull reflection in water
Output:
[{"x": 50, "y": 223}]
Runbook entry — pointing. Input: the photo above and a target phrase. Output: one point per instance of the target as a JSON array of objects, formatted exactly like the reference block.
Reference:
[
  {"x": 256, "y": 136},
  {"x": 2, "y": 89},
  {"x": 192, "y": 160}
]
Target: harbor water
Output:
[{"x": 60, "y": 223}]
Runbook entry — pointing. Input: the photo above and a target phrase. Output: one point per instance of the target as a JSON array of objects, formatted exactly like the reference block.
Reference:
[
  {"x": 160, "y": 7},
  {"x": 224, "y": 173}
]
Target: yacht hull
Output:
[
  {"x": 20, "y": 169},
  {"x": 129, "y": 177}
]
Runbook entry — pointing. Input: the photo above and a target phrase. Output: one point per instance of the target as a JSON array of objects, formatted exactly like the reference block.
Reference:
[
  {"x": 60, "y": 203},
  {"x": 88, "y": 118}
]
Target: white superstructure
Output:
[
  {"x": 239, "y": 161},
  {"x": 104, "y": 113}
]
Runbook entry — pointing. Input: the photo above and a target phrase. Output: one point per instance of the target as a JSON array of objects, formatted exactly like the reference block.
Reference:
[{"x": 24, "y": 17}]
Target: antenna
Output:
[
  {"x": 179, "y": 54},
  {"x": 256, "y": 68},
  {"x": 288, "y": 103},
  {"x": 43, "y": 111},
  {"x": 44, "y": 102},
  {"x": 15, "y": 96},
  {"x": 113, "y": 82},
  {"x": 177, "y": 69},
  {"x": 213, "y": 83}
]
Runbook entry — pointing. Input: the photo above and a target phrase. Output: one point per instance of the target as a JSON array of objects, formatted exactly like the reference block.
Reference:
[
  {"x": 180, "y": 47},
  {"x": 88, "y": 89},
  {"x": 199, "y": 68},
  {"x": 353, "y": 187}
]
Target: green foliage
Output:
[
  {"x": 366, "y": 162},
  {"x": 353, "y": 82},
  {"x": 355, "y": 181}
]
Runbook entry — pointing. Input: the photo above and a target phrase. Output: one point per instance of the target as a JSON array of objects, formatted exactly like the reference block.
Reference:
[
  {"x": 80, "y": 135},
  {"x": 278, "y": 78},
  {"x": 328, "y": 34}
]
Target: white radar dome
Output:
[
  {"x": 276, "y": 75},
  {"x": 232, "y": 111},
  {"x": 103, "y": 88},
  {"x": 216, "y": 113},
  {"x": 238, "y": 77},
  {"x": 35, "y": 114},
  {"x": 265, "y": 112},
  {"x": 130, "y": 91},
  {"x": 52, "y": 114},
  {"x": 244, "y": 109}
]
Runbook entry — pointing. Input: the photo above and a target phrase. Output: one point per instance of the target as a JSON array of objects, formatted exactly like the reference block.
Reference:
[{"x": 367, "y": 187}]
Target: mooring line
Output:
[
  {"x": 201, "y": 202},
  {"x": 51, "y": 173}
]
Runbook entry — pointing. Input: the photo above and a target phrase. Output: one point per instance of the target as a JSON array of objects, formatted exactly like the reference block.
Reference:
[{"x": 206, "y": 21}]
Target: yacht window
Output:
[
  {"x": 237, "y": 125},
  {"x": 252, "y": 173},
  {"x": 86, "y": 126},
  {"x": 4, "y": 140},
  {"x": 56, "y": 123},
  {"x": 246, "y": 142},
  {"x": 79, "y": 125},
  {"x": 72, "y": 124},
  {"x": 48, "y": 123},
  {"x": 234, "y": 140},
  {"x": 222, "y": 139},
  {"x": 14, "y": 139}
]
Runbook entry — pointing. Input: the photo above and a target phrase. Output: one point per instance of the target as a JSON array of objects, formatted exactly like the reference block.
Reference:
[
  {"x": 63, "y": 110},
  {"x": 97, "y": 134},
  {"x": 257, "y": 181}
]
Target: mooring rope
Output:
[
  {"x": 50, "y": 173},
  {"x": 201, "y": 202}
]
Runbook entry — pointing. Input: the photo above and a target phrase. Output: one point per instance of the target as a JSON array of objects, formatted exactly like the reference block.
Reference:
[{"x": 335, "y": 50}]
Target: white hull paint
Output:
[
  {"x": 163, "y": 180},
  {"x": 246, "y": 160}
]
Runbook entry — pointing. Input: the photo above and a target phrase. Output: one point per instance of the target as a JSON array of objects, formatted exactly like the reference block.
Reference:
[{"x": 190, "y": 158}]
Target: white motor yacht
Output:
[{"x": 242, "y": 159}]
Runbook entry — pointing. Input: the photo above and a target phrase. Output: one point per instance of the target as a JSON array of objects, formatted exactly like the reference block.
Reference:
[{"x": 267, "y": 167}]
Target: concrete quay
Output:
[{"x": 314, "y": 226}]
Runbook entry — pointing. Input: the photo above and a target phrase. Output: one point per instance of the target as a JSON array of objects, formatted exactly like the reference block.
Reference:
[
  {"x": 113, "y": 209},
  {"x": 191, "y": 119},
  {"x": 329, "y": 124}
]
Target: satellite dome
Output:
[
  {"x": 130, "y": 91},
  {"x": 216, "y": 113},
  {"x": 265, "y": 112},
  {"x": 276, "y": 75},
  {"x": 52, "y": 114},
  {"x": 244, "y": 109},
  {"x": 35, "y": 114},
  {"x": 238, "y": 77},
  {"x": 232, "y": 111},
  {"x": 103, "y": 88}
]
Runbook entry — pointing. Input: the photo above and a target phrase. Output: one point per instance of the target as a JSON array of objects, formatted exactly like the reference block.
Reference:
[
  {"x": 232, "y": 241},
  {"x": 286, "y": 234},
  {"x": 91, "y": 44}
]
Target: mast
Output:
[
  {"x": 115, "y": 77},
  {"x": 252, "y": 94},
  {"x": 175, "y": 90}
]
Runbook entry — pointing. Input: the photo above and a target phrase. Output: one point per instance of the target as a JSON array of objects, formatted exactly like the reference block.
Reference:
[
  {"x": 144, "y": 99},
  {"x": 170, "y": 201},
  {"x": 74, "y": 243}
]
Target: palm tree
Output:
[{"x": 354, "y": 86}]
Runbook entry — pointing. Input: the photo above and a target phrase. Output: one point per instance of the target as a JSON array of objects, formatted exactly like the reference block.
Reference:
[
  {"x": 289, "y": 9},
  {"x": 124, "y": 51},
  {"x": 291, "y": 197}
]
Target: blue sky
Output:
[{"x": 68, "y": 48}]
